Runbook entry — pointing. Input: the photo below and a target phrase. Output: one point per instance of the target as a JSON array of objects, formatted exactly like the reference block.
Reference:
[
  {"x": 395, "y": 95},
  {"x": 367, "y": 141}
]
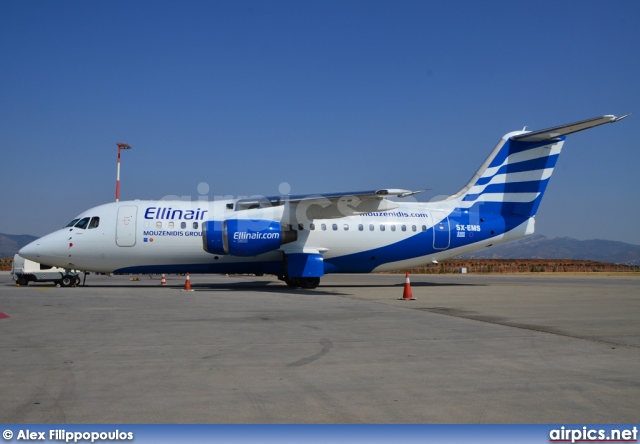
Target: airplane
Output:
[{"x": 301, "y": 238}]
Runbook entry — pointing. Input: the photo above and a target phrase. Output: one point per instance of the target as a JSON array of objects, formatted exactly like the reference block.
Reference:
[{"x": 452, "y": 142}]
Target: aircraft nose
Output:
[
  {"x": 46, "y": 250},
  {"x": 30, "y": 251}
]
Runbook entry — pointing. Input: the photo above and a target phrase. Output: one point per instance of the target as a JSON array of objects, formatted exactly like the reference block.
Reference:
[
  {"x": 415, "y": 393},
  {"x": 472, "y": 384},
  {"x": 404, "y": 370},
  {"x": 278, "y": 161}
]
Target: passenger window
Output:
[
  {"x": 414, "y": 228},
  {"x": 335, "y": 227},
  {"x": 170, "y": 224},
  {"x": 424, "y": 228},
  {"x": 83, "y": 223},
  {"x": 404, "y": 228},
  {"x": 183, "y": 225},
  {"x": 158, "y": 224},
  {"x": 312, "y": 226},
  {"x": 72, "y": 223},
  {"x": 393, "y": 228},
  {"x": 323, "y": 227},
  {"x": 95, "y": 221},
  {"x": 346, "y": 227},
  {"x": 360, "y": 227},
  {"x": 382, "y": 227},
  {"x": 371, "y": 227},
  {"x": 195, "y": 225}
]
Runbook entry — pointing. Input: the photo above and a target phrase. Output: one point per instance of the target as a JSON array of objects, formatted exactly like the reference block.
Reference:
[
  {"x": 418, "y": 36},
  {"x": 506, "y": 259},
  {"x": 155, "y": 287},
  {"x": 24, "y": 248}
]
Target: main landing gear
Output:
[
  {"x": 301, "y": 282},
  {"x": 301, "y": 264}
]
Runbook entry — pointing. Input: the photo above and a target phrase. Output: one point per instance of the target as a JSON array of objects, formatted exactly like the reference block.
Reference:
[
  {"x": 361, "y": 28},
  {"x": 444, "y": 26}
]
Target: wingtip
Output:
[
  {"x": 411, "y": 193},
  {"x": 617, "y": 119}
]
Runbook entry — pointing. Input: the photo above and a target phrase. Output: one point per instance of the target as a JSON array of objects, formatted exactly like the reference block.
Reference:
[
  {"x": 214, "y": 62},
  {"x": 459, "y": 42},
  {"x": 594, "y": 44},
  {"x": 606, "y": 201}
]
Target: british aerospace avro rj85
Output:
[{"x": 301, "y": 238}]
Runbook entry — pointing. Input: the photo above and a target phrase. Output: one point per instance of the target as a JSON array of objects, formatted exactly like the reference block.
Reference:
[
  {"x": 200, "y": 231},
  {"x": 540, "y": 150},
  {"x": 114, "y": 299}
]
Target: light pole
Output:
[{"x": 121, "y": 146}]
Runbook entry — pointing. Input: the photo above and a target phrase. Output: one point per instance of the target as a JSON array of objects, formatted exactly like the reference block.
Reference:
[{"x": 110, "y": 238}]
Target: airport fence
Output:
[{"x": 519, "y": 266}]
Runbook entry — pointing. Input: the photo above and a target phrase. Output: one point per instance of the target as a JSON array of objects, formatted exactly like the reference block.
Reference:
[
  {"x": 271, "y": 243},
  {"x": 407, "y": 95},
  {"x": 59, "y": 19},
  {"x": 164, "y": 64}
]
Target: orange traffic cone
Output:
[
  {"x": 163, "y": 281},
  {"x": 407, "y": 295},
  {"x": 187, "y": 284}
]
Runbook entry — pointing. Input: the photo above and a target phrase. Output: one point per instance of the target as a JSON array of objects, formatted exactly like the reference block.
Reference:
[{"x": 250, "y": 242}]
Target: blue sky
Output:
[{"x": 323, "y": 95}]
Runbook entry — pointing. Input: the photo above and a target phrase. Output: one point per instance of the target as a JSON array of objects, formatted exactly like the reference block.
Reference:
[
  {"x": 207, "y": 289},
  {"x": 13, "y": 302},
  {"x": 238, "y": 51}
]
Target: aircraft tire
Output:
[
  {"x": 307, "y": 283},
  {"x": 66, "y": 281}
]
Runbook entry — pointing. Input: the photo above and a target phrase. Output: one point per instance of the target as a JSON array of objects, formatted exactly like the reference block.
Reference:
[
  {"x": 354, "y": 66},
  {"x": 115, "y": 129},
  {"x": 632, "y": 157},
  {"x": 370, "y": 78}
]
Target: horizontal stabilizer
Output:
[{"x": 563, "y": 130}]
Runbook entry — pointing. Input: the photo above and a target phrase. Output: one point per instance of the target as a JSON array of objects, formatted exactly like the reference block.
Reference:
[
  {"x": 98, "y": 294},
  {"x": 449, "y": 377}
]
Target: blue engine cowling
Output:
[{"x": 244, "y": 237}]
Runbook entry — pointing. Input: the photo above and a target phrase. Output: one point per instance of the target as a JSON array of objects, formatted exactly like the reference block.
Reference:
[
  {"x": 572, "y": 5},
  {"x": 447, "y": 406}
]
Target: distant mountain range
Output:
[
  {"x": 542, "y": 247},
  {"x": 11, "y": 243},
  {"x": 533, "y": 247}
]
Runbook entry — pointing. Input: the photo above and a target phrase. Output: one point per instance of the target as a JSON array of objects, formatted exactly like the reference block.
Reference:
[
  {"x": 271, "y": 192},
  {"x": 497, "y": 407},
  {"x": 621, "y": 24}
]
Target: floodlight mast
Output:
[{"x": 121, "y": 146}]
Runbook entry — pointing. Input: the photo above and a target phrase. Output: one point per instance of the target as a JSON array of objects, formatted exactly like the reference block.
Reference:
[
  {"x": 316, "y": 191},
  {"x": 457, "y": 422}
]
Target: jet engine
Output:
[{"x": 245, "y": 237}]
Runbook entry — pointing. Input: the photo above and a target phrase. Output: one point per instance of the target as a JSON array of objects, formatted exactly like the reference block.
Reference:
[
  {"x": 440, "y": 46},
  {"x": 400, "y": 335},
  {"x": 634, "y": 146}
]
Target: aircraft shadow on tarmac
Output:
[
  {"x": 279, "y": 287},
  {"x": 260, "y": 286},
  {"x": 256, "y": 286},
  {"x": 328, "y": 289}
]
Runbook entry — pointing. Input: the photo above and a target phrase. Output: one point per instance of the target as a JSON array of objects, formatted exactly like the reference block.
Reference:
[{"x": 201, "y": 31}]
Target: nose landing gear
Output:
[{"x": 68, "y": 280}]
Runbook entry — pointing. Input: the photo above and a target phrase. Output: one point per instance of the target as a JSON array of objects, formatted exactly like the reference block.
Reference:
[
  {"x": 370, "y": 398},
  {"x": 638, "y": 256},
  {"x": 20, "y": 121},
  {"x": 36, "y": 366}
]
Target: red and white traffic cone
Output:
[
  {"x": 187, "y": 284},
  {"x": 163, "y": 281},
  {"x": 407, "y": 295}
]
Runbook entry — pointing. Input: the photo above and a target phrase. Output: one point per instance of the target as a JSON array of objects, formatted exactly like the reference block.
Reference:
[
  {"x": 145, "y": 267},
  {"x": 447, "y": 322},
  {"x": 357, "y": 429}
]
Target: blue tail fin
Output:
[{"x": 513, "y": 179}]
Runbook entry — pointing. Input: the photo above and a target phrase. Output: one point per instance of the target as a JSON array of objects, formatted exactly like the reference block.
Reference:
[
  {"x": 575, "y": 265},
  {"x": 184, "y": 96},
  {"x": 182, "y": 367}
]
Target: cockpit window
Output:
[
  {"x": 95, "y": 221},
  {"x": 72, "y": 223},
  {"x": 83, "y": 223}
]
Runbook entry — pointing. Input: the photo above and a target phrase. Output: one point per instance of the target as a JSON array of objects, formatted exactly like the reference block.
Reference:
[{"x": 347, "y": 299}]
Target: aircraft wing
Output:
[
  {"x": 331, "y": 205},
  {"x": 563, "y": 130}
]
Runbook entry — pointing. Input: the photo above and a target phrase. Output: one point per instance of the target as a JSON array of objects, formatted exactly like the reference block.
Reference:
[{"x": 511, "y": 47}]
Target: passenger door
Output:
[
  {"x": 440, "y": 230},
  {"x": 126, "y": 226}
]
